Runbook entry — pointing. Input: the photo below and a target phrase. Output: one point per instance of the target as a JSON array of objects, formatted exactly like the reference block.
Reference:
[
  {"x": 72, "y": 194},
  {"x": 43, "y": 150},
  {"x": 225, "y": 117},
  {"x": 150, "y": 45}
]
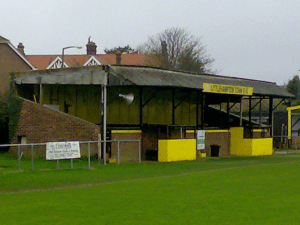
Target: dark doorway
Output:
[{"x": 4, "y": 135}]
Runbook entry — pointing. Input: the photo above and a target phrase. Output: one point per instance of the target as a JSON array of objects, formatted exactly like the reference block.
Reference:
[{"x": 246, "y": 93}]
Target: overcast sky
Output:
[{"x": 257, "y": 39}]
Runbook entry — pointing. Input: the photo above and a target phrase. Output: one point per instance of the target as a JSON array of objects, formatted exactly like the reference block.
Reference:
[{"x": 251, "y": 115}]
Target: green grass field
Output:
[{"x": 254, "y": 190}]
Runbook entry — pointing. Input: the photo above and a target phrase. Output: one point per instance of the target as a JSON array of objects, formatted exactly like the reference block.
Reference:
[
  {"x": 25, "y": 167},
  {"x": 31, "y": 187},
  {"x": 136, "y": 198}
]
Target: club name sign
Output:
[
  {"x": 227, "y": 89},
  {"x": 62, "y": 150}
]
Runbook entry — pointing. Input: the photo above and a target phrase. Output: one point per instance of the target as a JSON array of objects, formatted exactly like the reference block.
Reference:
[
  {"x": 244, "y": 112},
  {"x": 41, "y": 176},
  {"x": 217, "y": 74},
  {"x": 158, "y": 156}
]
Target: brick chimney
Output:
[
  {"x": 118, "y": 57},
  {"x": 21, "y": 48},
  {"x": 91, "y": 47}
]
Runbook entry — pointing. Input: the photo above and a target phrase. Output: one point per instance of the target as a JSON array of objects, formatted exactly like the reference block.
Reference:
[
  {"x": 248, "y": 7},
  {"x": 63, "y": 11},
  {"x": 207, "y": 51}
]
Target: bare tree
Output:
[
  {"x": 175, "y": 48},
  {"x": 125, "y": 49}
]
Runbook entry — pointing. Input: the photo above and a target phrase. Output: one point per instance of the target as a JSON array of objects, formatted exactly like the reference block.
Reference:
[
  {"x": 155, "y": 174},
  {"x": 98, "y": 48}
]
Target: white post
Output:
[
  {"x": 41, "y": 93},
  {"x": 118, "y": 152},
  {"x": 19, "y": 157},
  {"x": 32, "y": 163},
  {"x": 89, "y": 155},
  {"x": 104, "y": 115},
  {"x": 104, "y": 122},
  {"x": 140, "y": 151}
]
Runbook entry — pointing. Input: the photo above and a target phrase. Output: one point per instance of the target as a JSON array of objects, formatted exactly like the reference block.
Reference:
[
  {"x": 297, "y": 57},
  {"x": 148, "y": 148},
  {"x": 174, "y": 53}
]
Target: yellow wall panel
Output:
[
  {"x": 241, "y": 146},
  {"x": 118, "y": 111},
  {"x": 176, "y": 150},
  {"x": 262, "y": 146},
  {"x": 82, "y": 102},
  {"x": 159, "y": 109},
  {"x": 185, "y": 112},
  {"x": 85, "y": 102},
  {"x": 94, "y": 104}
]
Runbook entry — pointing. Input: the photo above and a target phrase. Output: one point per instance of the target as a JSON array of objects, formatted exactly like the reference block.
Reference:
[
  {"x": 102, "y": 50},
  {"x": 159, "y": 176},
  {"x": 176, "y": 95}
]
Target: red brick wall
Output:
[
  {"x": 10, "y": 62},
  {"x": 40, "y": 124},
  {"x": 215, "y": 138}
]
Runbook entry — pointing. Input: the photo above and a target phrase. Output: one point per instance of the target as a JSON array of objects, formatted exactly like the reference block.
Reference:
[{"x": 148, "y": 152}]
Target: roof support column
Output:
[
  {"x": 241, "y": 112},
  {"x": 220, "y": 115},
  {"x": 41, "y": 93},
  {"x": 104, "y": 115},
  {"x": 202, "y": 110},
  {"x": 250, "y": 117},
  {"x": 228, "y": 111},
  {"x": 260, "y": 112},
  {"x": 173, "y": 107},
  {"x": 197, "y": 109},
  {"x": 271, "y": 115},
  {"x": 141, "y": 107}
]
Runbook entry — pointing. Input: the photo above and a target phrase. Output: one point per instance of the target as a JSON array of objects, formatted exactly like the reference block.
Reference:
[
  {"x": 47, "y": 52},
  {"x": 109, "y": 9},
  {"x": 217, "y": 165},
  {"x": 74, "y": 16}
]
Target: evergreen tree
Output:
[{"x": 293, "y": 86}]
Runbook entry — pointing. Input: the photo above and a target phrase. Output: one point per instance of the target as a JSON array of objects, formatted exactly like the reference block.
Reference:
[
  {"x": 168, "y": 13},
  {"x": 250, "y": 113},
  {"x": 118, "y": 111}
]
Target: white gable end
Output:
[
  {"x": 92, "y": 62},
  {"x": 56, "y": 64}
]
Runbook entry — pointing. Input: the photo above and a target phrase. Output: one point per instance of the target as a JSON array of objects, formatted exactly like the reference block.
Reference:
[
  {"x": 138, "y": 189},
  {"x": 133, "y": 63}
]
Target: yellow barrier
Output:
[
  {"x": 241, "y": 146},
  {"x": 176, "y": 150},
  {"x": 126, "y": 131}
]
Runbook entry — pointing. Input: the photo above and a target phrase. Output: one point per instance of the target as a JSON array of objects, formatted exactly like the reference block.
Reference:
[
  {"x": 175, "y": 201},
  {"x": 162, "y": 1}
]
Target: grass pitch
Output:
[{"x": 260, "y": 190}]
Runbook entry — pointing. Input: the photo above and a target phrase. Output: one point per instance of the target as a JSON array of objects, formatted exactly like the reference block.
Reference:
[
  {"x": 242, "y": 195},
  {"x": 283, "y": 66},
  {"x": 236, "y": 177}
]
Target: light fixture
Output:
[
  {"x": 63, "y": 53},
  {"x": 128, "y": 98}
]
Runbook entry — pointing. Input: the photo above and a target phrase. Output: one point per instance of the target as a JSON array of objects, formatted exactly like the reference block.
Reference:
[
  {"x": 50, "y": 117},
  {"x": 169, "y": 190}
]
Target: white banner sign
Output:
[
  {"x": 62, "y": 150},
  {"x": 200, "y": 139}
]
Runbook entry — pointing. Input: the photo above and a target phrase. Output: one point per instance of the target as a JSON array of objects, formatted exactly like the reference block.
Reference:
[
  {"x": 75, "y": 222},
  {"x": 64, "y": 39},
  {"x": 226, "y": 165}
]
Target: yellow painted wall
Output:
[
  {"x": 241, "y": 146},
  {"x": 159, "y": 109},
  {"x": 118, "y": 112},
  {"x": 176, "y": 150},
  {"x": 85, "y": 101},
  {"x": 262, "y": 146},
  {"x": 163, "y": 150},
  {"x": 185, "y": 113}
]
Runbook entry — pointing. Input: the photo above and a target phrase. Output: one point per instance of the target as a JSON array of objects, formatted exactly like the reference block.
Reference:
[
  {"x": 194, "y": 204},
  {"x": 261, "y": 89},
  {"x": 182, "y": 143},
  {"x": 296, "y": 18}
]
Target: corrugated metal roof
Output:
[
  {"x": 71, "y": 76},
  {"x": 147, "y": 76},
  {"x": 144, "y": 76}
]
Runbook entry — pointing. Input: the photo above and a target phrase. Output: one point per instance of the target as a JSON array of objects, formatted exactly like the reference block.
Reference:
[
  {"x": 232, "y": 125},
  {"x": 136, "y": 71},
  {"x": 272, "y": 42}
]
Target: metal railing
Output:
[
  {"x": 285, "y": 143},
  {"x": 31, "y": 151}
]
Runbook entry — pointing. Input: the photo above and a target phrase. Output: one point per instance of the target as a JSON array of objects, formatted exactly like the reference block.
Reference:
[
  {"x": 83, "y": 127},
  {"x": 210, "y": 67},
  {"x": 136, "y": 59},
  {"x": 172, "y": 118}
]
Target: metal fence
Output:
[
  {"x": 35, "y": 154},
  {"x": 286, "y": 144}
]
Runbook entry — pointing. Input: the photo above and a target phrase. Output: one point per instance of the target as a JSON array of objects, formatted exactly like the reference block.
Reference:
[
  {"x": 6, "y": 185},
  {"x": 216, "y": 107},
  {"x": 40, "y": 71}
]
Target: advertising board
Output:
[
  {"x": 62, "y": 150},
  {"x": 200, "y": 139}
]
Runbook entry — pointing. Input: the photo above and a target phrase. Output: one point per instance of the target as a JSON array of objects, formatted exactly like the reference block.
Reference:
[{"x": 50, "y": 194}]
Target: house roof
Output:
[
  {"x": 43, "y": 62},
  {"x": 6, "y": 41},
  {"x": 145, "y": 76},
  {"x": 3, "y": 40}
]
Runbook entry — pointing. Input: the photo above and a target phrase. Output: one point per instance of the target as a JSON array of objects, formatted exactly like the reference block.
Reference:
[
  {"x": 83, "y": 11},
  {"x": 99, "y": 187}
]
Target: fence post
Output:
[
  {"x": 118, "y": 152},
  {"x": 140, "y": 153},
  {"x": 181, "y": 136},
  {"x": 32, "y": 163},
  {"x": 19, "y": 159},
  {"x": 89, "y": 155}
]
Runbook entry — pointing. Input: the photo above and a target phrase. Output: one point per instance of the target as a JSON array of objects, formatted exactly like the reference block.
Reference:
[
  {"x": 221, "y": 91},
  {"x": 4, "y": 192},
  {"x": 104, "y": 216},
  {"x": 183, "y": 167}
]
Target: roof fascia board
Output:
[
  {"x": 81, "y": 77},
  {"x": 3, "y": 40},
  {"x": 21, "y": 56}
]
